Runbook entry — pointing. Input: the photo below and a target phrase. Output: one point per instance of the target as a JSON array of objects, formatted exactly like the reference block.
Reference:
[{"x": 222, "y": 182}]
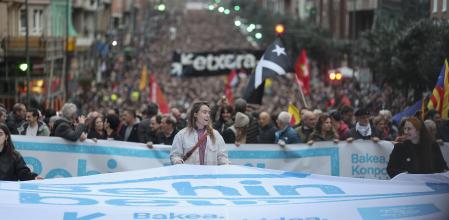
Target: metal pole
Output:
[
  {"x": 353, "y": 19},
  {"x": 50, "y": 79},
  {"x": 67, "y": 51},
  {"x": 302, "y": 97},
  {"x": 27, "y": 53},
  {"x": 65, "y": 65}
]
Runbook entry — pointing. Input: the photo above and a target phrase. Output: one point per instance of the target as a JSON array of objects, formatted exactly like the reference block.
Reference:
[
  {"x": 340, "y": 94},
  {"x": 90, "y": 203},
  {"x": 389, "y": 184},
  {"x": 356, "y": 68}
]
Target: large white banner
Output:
[
  {"x": 225, "y": 192},
  {"x": 54, "y": 157}
]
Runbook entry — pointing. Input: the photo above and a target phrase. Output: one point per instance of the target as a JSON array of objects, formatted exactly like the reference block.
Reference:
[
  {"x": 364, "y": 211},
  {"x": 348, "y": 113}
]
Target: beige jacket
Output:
[{"x": 187, "y": 138}]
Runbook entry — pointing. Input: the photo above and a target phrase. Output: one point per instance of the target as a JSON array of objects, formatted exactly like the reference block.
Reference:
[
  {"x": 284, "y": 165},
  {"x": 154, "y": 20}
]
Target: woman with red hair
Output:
[{"x": 418, "y": 153}]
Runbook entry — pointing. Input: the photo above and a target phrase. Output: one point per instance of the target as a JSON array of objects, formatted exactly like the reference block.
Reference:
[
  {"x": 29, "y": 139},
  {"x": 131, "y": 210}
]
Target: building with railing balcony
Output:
[{"x": 45, "y": 48}]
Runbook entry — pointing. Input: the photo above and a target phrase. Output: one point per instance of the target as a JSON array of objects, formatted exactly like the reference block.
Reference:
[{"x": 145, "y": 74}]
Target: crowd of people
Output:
[
  {"x": 108, "y": 109},
  {"x": 182, "y": 32},
  {"x": 238, "y": 124}
]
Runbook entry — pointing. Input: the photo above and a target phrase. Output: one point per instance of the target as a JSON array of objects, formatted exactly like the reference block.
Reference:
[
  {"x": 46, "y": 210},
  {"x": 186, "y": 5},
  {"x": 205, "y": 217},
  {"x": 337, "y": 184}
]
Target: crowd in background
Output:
[
  {"x": 109, "y": 109},
  {"x": 183, "y": 32}
]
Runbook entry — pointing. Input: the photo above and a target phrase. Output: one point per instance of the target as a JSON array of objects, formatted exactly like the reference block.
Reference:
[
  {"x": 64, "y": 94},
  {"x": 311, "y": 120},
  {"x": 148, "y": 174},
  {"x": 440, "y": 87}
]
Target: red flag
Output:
[
  {"x": 157, "y": 96},
  {"x": 302, "y": 71},
  {"x": 228, "y": 87}
]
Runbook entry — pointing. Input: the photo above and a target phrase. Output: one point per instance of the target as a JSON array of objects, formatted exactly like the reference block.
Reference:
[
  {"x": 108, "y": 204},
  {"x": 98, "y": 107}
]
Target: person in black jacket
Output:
[
  {"x": 363, "y": 128},
  {"x": 68, "y": 127},
  {"x": 143, "y": 130},
  {"x": 168, "y": 131},
  {"x": 12, "y": 165},
  {"x": 129, "y": 132},
  {"x": 16, "y": 118},
  {"x": 240, "y": 105},
  {"x": 418, "y": 153},
  {"x": 237, "y": 133},
  {"x": 266, "y": 129},
  {"x": 224, "y": 119},
  {"x": 111, "y": 125},
  {"x": 96, "y": 129}
]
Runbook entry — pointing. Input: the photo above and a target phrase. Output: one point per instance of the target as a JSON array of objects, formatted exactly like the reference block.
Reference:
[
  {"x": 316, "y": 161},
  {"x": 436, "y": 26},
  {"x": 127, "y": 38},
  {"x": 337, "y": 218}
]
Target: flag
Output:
[
  {"x": 439, "y": 100},
  {"x": 230, "y": 81},
  {"x": 296, "y": 116},
  {"x": 302, "y": 70},
  {"x": 409, "y": 111},
  {"x": 143, "y": 78},
  {"x": 157, "y": 96},
  {"x": 274, "y": 62}
]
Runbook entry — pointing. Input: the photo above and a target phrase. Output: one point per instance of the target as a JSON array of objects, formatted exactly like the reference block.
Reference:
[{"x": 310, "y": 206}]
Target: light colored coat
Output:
[{"x": 186, "y": 139}]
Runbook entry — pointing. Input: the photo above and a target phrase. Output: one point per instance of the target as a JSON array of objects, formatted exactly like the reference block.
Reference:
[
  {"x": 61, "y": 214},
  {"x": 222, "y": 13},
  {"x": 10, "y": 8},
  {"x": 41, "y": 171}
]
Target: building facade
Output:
[
  {"x": 43, "y": 47},
  {"x": 438, "y": 9},
  {"x": 67, "y": 40}
]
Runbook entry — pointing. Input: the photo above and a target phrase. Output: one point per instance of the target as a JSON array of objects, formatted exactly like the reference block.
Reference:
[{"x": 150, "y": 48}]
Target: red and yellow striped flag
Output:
[{"x": 439, "y": 100}]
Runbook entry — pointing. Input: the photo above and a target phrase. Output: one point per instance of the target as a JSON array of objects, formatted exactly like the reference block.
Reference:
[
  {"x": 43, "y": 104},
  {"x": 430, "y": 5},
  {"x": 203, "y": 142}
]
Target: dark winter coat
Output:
[{"x": 14, "y": 168}]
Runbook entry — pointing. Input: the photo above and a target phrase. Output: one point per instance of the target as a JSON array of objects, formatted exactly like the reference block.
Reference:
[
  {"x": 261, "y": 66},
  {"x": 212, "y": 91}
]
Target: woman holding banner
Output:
[
  {"x": 12, "y": 165},
  {"x": 199, "y": 143},
  {"x": 418, "y": 153},
  {"x": 324, "y": 131}
]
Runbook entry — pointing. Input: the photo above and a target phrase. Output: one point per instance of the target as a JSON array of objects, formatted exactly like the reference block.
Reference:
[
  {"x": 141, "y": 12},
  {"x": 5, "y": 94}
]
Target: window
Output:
[
  {"x": 435, "y": 6},
  {"x": 444, "y": 6},
  {"x": 37, "y": 21},
  {"x": 22, "y": 21}
]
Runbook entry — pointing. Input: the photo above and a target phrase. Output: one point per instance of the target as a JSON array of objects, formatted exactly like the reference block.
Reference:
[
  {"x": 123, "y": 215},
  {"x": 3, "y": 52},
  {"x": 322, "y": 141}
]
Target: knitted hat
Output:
[{"x": 241, "y": 120}]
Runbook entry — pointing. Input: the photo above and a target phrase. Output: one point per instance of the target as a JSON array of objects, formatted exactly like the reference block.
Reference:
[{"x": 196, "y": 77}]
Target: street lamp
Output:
[
  {"x": 161, "y": 7},
  {"x": 23, "y": 67},
  {"x": 237, "y": 23},
  {"x": 280, "y": 29}
]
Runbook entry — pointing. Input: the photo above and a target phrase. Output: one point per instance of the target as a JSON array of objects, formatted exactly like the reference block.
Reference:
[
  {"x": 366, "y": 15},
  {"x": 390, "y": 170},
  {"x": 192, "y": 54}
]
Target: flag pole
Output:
[
  {"x": 423, "y": 107},
  {"x": 301, "y": 93}
]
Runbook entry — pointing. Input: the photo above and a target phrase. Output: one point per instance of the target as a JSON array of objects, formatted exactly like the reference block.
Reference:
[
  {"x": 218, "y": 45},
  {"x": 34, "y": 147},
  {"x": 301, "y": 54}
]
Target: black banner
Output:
[{"x": 213, "y": 63}]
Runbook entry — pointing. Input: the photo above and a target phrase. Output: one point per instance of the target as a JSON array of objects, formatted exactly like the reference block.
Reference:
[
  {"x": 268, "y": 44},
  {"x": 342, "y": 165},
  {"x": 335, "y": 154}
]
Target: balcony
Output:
[
  {"x": 44, "y": 47},
  {"x": 88, "y": 5},
  {"x": 83, "y": 43}
]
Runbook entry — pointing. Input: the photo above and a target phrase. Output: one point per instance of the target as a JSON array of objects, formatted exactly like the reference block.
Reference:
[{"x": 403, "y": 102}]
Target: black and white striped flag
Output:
[{"x": 274, "y": 62}]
